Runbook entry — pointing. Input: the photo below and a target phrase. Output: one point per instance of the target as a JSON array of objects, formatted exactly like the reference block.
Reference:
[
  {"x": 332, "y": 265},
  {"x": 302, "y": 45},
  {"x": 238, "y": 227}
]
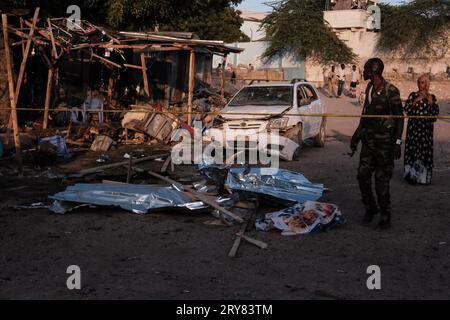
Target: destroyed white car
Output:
[{"x": 270, "y": 108}]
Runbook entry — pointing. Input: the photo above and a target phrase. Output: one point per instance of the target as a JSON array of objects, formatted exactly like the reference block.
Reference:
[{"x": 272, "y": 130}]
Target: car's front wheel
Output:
[{"x": 319, "y": 140}]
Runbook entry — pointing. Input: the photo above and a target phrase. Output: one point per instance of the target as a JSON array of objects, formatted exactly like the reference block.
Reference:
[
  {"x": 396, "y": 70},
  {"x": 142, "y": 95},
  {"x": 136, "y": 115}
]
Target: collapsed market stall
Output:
[{"x": 76, "y": 72}]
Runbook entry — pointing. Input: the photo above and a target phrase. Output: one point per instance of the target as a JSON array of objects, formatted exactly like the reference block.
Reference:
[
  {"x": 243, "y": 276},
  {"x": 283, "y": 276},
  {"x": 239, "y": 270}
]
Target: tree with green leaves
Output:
[
  {"x": 212, "y": 19},
  {"x": 296, "y": 28},
  {"x": 417, "y": 29}
]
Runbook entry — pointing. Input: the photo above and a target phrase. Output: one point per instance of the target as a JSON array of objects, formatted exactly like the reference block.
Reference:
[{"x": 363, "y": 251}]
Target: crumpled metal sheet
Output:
[
  {"x": 132, "y": 197},
  {"x": 279, "y": 183}
]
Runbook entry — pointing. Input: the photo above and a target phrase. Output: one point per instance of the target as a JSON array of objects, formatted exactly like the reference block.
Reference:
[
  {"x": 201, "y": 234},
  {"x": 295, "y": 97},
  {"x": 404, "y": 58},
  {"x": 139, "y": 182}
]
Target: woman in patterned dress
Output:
[{"x": 419, "y": 135}]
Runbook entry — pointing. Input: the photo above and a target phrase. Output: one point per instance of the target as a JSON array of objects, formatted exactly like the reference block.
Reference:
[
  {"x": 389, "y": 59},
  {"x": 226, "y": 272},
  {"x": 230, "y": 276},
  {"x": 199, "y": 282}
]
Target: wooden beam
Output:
[
  {"x": 237, "y": 241},
  {"x": 48, "y": 97},
  {"x": 41, "y": 32},
  {"x": 46, "y": 58},
  {"x": 23, "y": 43},
  {"x": 159, "y": 48},
  {"x": 106, "y": 61},
  {"x": 132, "y": 66},
  {"x": 110, "y": 89},
  {"x": 25, "y": 56},
  {"x": 26, "y": 36},
  {"x": 191, "y": 86},
  {"x": 11, "y": 94},
  {"x": 122, "y": 46},
  {"x": 222, "y": 78},
  {"x": 166, "y": 163},
  {"x": 52, "y": 38},
  {"x": 144, "y": 74}
]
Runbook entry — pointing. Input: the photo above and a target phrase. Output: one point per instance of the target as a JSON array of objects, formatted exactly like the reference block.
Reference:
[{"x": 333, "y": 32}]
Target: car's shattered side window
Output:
[{"x": 263, "y": 96}]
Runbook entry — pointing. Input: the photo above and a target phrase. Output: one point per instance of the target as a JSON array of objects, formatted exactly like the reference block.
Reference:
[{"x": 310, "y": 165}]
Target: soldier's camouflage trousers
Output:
[{"x": 376, "y": 157}]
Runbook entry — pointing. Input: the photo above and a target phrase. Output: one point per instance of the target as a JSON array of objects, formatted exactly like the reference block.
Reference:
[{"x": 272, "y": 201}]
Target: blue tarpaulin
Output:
[{"x": 132, "y": 197}]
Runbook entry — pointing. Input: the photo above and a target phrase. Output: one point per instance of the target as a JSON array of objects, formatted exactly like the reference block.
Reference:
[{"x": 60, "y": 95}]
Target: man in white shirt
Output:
[
  {"x": 354, "y": 81},
  {"x": 341, "y": 75}
]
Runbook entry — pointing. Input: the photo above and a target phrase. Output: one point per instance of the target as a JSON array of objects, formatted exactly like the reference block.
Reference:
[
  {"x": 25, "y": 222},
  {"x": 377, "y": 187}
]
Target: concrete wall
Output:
[
  {"x": 346, "y": 18},
  {"x": 363, "y": 43},
  {"x": 252, "y": 54},
  {"x": 251, "y": 29},
  {"x": 254, "y": 49}
]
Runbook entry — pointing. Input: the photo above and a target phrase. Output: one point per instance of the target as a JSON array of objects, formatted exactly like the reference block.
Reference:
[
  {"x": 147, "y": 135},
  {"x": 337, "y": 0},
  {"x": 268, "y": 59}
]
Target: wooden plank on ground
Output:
[
  {"x": 204, "y": 198},
  {"x": 166, "y": 163}
]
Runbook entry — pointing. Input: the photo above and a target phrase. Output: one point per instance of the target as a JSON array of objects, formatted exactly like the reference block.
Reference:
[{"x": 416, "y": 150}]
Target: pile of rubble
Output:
[{"x": 233, "y": 195}]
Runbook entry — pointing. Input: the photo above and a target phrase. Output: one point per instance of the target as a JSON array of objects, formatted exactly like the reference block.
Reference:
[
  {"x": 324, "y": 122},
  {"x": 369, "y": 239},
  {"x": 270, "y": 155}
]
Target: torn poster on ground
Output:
[{"x": 310, "y": 217}]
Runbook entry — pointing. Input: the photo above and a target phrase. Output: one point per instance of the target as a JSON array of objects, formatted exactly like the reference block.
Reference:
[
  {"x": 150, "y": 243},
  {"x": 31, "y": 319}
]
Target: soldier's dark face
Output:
[{"x": 367, "y": 73}]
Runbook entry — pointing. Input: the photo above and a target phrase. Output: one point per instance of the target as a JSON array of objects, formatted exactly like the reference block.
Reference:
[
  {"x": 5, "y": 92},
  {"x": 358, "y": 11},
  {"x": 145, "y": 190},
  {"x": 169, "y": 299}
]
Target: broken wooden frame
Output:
[{"x": 54, "y": 35}]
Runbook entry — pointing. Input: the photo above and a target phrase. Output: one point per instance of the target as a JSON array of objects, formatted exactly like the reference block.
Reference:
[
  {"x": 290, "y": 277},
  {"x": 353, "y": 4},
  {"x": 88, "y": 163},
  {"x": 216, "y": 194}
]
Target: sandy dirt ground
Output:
[{"x": 175, "y": 256}]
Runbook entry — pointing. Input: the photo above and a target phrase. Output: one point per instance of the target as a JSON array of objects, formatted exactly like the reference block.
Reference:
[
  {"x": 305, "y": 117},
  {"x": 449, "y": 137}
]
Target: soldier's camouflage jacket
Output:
[{"x": 376, "y": 131}]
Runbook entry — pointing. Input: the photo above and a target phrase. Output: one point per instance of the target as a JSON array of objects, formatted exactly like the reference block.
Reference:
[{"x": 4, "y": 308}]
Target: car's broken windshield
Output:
[{"x": 263, "y": 96}]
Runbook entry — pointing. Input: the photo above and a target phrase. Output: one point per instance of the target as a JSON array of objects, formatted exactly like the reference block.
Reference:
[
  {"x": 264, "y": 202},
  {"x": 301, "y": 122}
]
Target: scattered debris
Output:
[
  {"x": 102, "y": 143},
  {"x": 102, "y": 159},
  {"x": 36, "y": 205},
  {"x": 85, "y": 172},
  {"x": 60, "y": 144},
  {"x": 197, "y": 195}
]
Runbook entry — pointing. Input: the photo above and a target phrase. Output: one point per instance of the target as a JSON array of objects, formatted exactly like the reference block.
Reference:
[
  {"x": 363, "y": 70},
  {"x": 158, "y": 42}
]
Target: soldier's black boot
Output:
[
  {"x": 368, "y": 216},
  {"x": 385, "y": 221}
]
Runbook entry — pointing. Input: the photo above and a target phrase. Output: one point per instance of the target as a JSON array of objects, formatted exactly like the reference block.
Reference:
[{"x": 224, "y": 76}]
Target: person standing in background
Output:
[
  {"x": 341, "y": 76},
  {"x": 419, "y": 135},
  {"x": 332, "y": 82},
  {"x": 354, "y": 81}
]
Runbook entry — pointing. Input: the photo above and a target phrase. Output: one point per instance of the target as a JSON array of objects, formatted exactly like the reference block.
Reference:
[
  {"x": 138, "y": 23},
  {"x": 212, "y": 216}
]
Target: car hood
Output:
[{"x": 253, "y": 112}]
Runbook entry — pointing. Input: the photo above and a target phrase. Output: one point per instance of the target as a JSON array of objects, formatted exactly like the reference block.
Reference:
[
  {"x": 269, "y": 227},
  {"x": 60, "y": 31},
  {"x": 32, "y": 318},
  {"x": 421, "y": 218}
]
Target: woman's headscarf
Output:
[{"x": 425, "y": 78}]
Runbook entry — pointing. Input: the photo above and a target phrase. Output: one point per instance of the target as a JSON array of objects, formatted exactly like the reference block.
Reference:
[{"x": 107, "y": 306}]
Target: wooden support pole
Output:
[
  {"x": 11, "y": 94},
  {"x": 25, "y": 56},
  {"x": 144, "y": 74},
  {"x": 52, "y": 38},
  {"x": 191, "y": 86},
  {"x": 110, "y": 90},
  {"x": 22, "y": 67},
  {"x": 23, "y": 43},
  {"x": 48, "y": 97},
  {"x": 222, "y": 77}
]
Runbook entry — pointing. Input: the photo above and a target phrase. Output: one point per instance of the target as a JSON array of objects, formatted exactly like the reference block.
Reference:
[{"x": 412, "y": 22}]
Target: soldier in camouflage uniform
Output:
[{"x": 381, "y": 142}]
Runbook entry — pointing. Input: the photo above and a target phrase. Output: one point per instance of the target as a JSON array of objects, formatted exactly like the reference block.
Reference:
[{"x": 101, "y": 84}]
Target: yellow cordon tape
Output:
[{"x": 327, "y": 115}]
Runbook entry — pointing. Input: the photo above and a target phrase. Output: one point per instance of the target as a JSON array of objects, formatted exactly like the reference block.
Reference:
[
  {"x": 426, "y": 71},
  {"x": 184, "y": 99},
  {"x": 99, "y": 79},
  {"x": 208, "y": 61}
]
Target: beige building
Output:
[{"x": 353, "y": 26}]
